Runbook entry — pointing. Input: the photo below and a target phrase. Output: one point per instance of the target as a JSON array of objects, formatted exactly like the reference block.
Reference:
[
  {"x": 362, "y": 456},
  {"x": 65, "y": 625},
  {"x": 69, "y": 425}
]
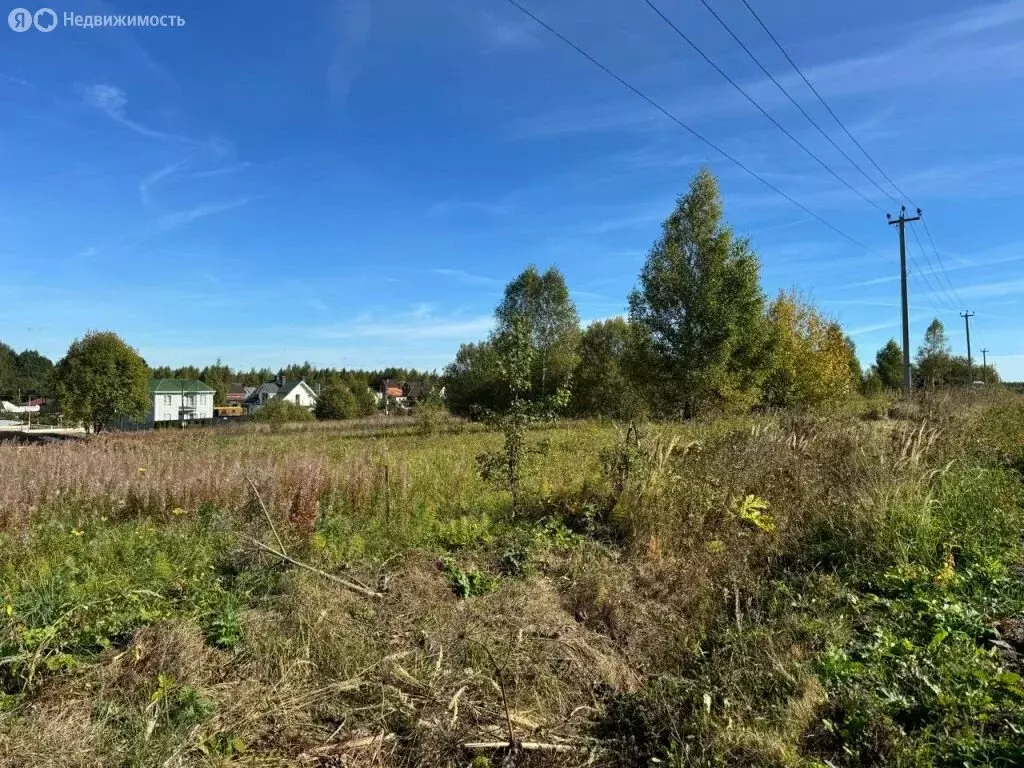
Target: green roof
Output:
[{"x": 178, "y": 385}]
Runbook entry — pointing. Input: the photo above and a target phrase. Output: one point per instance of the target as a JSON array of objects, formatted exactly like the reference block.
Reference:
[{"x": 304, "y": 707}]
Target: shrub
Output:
[
  {"x": 278, "y": 411},
  {"x": 336, "y": 402}
]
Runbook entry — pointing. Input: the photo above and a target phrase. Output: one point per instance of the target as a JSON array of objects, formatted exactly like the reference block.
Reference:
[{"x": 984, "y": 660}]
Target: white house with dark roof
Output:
[{"x": 293, "y": 390}]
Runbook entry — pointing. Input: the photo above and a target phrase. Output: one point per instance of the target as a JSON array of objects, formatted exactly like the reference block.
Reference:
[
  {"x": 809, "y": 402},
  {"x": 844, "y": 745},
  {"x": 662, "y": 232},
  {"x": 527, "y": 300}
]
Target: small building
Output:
[
  {"x": 237, "y": 394},
  {"x": 179, "y": 400},
  {"x": 293, "y": 390}
]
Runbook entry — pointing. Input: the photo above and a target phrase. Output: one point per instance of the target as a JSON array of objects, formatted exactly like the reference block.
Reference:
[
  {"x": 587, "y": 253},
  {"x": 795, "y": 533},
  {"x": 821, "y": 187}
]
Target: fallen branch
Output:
[
  {"x": 329, "y": 576},
  {"x": 367, "y": 741},
  {"x": 528, "y": 746},
  {"x": 266, "y": 513}
]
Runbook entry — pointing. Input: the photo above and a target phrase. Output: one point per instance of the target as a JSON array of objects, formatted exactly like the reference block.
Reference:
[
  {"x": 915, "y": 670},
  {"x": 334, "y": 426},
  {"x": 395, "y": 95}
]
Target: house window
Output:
[
  {"x": 167, "y": 399},
  {"x": 297, "y": 400},
  {"x": 263, "y": 398}
]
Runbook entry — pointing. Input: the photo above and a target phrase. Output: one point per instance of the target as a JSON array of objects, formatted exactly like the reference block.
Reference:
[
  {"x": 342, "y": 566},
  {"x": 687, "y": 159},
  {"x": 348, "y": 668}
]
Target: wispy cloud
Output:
[
  {"x": 989, "y": 177},
  {"x": 989, "y": 290},
  {"x": 588, "y": 296},
  {"x": 874, "y": 281},
  {"x": 150, "y": 181},
  {"x": 941, "y": 50},
  {"x": 413, "y": 326},
  {"x": 16, "y": 80},
  {"x": 112, "y": 101},
  {"x": 467, "y": 278},
  {"x": 224, "y": 171},
  {"x": 169, "y": 221},
  {"x": 860, "y": 330}
]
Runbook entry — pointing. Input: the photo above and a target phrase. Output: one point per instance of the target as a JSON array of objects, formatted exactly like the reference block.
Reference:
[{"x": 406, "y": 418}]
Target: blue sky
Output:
[{"x": 352, "y": 183}]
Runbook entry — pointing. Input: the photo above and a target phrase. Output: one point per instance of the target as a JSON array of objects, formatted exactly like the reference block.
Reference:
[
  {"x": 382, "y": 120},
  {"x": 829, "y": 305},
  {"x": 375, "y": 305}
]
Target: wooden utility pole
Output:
[
  {"x": 902, "y": 222},
  {"x": 984, "y": 365},
  {"x": 970, "y": 363}
]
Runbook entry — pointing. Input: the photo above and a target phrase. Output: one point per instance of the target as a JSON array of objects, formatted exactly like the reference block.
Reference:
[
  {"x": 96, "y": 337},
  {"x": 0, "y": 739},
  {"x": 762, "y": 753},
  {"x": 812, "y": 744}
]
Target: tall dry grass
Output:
[{"x": 668, "y": 598}]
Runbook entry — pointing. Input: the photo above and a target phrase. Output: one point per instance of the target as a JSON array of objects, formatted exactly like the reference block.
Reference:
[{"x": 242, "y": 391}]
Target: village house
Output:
[
  {"x": 293, "y": 390},
  {"x": 179, "y": 400},
  {"x": 237, "y": 394}
]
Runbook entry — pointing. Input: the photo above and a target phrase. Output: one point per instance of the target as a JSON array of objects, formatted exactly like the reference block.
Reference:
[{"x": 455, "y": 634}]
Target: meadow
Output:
[{"x": 789, "y": 589}]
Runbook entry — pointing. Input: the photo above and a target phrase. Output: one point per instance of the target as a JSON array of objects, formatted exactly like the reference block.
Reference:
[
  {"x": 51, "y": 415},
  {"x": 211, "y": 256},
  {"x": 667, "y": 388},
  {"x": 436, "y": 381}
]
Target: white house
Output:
[
  {"x": 9, "y": 407},
  {"x": 293, "y": 390},
  {"x": 177, "y": 400}
]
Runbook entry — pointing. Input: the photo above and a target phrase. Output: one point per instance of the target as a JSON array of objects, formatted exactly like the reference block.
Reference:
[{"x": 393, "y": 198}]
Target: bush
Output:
[
  {"x": 279, "y": 411},
  {"x": 336, "y": 402}
]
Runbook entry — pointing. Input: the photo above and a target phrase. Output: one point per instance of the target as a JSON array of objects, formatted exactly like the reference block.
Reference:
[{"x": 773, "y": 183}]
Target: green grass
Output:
[{"x": 786, "y": 590}]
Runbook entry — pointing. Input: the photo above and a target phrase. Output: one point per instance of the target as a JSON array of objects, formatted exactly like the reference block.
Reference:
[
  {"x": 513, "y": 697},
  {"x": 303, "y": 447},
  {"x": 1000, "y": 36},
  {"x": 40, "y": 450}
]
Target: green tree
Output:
[
  {"x": 8, "y": 372},
  {"x": 23, "y": 375},
  {"x": 602, "y": 385},
  {"x": 336, "y": 401},
  {"x": 366, "y": 403},
  {"x": 514, "y": 351},
  {"x": 933, "y": 356},
  {"x": 100, "y": 379},
  {"x": 219, "y": 377},
  {"x": 700, "y": 309},
  {"x": 543, "y": 304},
  {"x": 810, "y": 358},
  {"x": 889, "y": 365},
  {"x": 473, "y": 382},
  {"x": 856, "y": 372}
]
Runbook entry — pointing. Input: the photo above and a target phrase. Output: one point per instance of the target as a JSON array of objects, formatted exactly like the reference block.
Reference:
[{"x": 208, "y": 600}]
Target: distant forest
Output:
[{"x": 25, "y": 375}]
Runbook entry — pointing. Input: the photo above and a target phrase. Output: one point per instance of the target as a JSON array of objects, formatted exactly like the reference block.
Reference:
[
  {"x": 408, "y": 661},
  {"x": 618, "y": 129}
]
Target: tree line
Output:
[
  {"x": 101, "y": 378},
  {"x": 933, "y": 366},
  {"x": 23, "y": 375},
  {"x": 700, "y": 337}
]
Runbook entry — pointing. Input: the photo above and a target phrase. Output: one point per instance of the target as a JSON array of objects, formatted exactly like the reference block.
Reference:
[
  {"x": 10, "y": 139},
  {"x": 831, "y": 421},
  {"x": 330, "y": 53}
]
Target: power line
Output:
[
  {"x": 794, "y": 102},
  {"x": 926, "y": 292},
  {"x": 690, "y": 130},
  {"x": 942, "y": 294},
  {"x": 950, "y": 295},
  {"x": 761, "y": 109},
  {"x": 938, "y": 256},
  {"x": 825, "y": 104}
]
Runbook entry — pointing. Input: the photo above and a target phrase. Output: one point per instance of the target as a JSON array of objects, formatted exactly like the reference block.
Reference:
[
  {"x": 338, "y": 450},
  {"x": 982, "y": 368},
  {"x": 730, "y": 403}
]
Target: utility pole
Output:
[
  {"x": 970, "y": 364},
  {"x": 984, "y": 365},
  {"x": 902, "y": 222}
]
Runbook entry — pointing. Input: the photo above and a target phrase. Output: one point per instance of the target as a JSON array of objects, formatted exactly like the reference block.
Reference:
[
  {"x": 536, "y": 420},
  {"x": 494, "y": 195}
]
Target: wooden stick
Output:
[
  {"x": 529, "y": 746},
  {"x": 266, "y": 513},
  {"x": 501, "y": 689},
  {"x": 329, "y": 576}
]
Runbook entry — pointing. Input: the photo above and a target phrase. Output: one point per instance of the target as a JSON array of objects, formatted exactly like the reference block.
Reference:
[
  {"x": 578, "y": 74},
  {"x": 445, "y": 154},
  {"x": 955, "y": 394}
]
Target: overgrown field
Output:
[{"x": 772, "y": 591}]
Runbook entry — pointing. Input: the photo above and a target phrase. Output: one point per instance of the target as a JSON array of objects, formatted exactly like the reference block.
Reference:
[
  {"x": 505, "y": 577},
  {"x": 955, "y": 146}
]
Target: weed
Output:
[{"x": 467, "y": 584}]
